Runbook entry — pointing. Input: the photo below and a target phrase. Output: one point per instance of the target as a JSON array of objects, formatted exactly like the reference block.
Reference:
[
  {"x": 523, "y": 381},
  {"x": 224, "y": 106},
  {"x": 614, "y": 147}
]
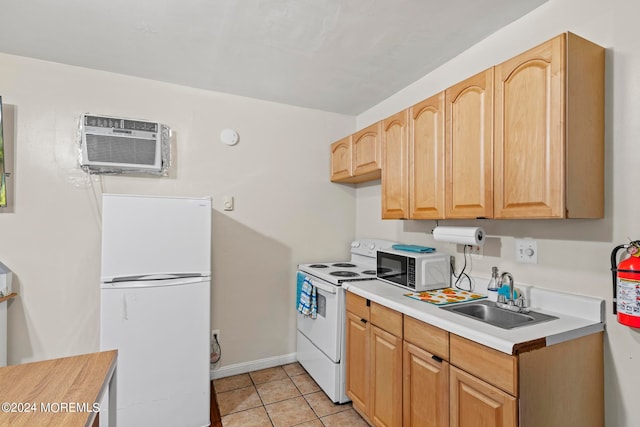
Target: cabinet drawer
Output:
[
  {"x": 427, "y": 337},
  {"x": 493, "y": 366},
  {"x": 357, "y": 305},
  {"x": 387, "y": 319}
]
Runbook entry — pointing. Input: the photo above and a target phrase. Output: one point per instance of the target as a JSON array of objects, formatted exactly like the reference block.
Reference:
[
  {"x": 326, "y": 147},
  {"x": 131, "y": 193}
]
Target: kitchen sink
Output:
[{"x": 488, "y": 312}]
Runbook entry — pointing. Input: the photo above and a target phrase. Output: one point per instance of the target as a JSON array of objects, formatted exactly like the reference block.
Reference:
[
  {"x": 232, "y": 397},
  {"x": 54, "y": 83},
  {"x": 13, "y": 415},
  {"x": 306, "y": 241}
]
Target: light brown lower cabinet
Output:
[
  {"x": 374, "y": 361},
  {"x": 425, "y": 388},
  {"x": 475, "y": 403},
  {"x": 386, "y": 378},
  {"x": 539, "y": 385},
  {"x": 404, "y": 372},
  {"x": 357, "y": 382}
]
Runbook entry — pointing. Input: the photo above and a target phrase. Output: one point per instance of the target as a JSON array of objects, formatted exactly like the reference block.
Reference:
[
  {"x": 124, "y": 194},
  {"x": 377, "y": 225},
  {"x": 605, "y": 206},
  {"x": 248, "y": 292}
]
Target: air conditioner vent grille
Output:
[{"x": 109, "y": 149}]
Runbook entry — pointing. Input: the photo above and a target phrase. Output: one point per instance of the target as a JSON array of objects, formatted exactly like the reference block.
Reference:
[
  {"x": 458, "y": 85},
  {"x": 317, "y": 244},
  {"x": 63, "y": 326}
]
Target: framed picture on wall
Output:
[{"x": 3, "y": 184}]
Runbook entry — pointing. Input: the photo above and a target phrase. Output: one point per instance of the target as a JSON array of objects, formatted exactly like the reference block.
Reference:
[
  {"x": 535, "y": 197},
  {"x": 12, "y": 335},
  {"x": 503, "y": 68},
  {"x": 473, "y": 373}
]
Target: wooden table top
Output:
[{"x": 57, "y": 392}]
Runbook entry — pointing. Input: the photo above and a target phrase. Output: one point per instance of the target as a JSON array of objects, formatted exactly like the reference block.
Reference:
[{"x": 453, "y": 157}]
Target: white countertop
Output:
[{"x": 577, "y": 316}]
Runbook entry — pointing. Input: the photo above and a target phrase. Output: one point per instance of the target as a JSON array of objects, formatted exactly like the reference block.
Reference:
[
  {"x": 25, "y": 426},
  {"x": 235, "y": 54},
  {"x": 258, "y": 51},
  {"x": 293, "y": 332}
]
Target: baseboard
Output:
[{"x": 255, "y": 365}]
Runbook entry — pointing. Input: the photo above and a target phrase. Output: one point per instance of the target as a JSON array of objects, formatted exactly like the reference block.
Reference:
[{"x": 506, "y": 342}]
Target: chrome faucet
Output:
[
  {"x": 510, "y": 277},
  {"x": 510, "y": 303}
]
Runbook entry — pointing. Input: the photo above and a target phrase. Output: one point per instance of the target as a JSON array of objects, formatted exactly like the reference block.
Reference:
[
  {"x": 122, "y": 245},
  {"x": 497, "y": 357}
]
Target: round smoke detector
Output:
[{"x": 229, "y": 137}]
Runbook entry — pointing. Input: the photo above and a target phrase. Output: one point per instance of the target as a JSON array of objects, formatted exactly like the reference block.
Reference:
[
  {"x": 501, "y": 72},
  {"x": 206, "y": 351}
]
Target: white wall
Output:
[
  {"x": 278, "y": 174},
  {"x": 573, "y": 254}
]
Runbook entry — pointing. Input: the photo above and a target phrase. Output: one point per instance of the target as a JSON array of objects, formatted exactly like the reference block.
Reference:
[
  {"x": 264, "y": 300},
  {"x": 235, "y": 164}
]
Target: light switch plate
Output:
[
  {"x": 228, "y": 203},
  {"x": 527, "y": 251}
]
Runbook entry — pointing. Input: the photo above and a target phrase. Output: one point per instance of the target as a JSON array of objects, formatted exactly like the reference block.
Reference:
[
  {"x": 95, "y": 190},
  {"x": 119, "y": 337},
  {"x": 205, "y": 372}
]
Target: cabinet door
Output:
[
  {"x": 395, "y": 177},
  {"x": 469, "y": 141},
  {"x": 426, "y": 156},
  {"x": 366, "y": 150},
  {"x": 357, "y": 354},
  {"x": 386, "y": 378},
  {"x": 475, "y": 403},
  {"x": 341, "y": 159},
  {"x": 529, "y": 137},
  {"x": 425, "y": 389}
]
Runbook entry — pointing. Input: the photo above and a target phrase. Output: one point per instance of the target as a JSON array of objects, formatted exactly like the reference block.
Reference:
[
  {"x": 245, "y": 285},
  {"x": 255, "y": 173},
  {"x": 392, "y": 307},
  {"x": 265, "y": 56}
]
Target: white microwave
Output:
[{"x": 414, "y": 271}]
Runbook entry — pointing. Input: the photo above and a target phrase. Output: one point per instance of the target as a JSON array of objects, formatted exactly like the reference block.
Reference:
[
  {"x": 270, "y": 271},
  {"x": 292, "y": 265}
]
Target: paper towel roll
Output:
[{"x": 460, "y": 235}]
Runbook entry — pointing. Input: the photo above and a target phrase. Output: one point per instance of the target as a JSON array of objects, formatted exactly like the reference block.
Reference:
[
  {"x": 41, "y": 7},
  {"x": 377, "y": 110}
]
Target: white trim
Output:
[
  {"x": 3, "y": 333},
  {"x": 255, "y": 365}
]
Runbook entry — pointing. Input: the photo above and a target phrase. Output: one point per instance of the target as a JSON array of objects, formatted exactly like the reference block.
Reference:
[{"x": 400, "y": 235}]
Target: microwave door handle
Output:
[{"x": 327, "y": 288}]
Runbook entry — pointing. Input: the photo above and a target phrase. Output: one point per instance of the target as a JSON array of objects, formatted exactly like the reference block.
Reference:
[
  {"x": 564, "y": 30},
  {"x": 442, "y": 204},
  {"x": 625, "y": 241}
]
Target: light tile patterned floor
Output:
[{"x": 283, "y": 396}]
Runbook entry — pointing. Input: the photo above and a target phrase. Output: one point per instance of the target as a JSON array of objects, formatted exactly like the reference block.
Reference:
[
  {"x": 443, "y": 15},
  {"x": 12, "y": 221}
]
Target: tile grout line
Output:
[
  {"x": 264, "y": 407},
  {"x": 290, "y": 377}
]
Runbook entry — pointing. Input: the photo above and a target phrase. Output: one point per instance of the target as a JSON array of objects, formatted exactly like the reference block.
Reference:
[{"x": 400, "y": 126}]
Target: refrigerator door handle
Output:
[
  {"x": 155, "y": 277},
  {"x": 156, "y": 283}
]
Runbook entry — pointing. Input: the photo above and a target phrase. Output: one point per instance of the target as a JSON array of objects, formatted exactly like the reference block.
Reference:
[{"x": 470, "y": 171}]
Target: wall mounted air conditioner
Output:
[{"x": 120, "y": 145}]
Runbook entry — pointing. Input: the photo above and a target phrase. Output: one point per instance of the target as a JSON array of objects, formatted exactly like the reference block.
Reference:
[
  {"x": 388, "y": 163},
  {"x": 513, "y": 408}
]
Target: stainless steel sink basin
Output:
[{"x": 488, "y": 312}]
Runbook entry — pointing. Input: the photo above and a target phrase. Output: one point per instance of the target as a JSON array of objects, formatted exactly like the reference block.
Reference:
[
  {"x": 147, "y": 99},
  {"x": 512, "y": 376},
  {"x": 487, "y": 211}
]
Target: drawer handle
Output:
[
  {"x": 437, "y": 359},
  {"x": 363, "y": 320}
]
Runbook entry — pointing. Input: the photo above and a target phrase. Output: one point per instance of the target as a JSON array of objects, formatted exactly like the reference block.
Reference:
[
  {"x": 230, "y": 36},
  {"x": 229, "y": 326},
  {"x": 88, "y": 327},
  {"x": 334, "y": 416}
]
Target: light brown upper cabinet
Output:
[
  {"x": 468, "y": 148},
  {"x": 523, "y": 139},
  {"x": 395, "y": 164},
  {"x": 426, "y": 159},
  {"x": 549, "y": 131},
  {"x": 357, "y": 158},
  {"x": 341, "y": 168}
]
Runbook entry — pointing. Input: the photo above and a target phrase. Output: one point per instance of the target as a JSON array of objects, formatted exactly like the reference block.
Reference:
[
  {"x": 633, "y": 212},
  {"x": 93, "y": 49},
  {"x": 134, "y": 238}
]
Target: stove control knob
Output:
[
  {"x": 372, "y": 246},
  {"x": 355, "y": 244}
]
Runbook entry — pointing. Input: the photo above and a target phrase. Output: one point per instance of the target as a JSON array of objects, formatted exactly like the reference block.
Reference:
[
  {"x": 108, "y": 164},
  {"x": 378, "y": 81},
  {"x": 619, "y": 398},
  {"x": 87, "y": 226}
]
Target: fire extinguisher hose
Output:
[{"x": 614, "y": 273}]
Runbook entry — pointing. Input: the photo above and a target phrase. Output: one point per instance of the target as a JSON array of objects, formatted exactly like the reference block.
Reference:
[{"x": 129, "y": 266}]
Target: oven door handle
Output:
[{"x": 327, "y": 288}]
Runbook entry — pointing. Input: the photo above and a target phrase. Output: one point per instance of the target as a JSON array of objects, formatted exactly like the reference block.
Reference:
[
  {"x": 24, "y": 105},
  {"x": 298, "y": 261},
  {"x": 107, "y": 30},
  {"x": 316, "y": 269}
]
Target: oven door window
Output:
[{"x": 392, "y": 267}]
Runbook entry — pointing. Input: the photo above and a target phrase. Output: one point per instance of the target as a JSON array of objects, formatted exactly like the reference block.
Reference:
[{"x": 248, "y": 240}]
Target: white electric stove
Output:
[{"x": 321, "y": 341}]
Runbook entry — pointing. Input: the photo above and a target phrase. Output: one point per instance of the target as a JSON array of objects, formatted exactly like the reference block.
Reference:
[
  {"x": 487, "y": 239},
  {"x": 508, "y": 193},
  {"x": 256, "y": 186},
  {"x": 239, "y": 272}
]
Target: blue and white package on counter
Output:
[
  {"x": 413, "y": 248},
  {"x": 5, "y": 280}
]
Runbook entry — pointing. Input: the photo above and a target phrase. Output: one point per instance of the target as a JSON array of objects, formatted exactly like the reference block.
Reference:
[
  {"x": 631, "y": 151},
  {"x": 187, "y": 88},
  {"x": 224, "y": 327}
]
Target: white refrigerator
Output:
[{"x": 155, "y": 307}]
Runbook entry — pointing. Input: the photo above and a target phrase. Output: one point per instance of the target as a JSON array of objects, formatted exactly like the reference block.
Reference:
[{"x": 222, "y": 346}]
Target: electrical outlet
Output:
[
  {"x": 214, "y": 356},
  {"x": 473, "y": 250},
  {"x": 476, "y": 251}
]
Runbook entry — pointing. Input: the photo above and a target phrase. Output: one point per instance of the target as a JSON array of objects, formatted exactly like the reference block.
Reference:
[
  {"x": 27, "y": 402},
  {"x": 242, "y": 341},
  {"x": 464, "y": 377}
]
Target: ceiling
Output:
[{"x": 343, "y": 56}]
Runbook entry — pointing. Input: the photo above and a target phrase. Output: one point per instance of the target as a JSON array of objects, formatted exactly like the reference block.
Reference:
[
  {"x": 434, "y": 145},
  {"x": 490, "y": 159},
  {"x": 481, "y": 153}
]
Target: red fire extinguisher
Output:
[{"x": 626, "y": 284}]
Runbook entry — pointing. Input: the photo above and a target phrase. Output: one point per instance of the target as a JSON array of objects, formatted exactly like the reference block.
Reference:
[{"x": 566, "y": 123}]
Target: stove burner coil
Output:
[
  {"x": 344, "y": 265},
  {"x": 318, "y": 266},
  {"x": 340, "y": 273},
  {"x": 369, "y": 272}
]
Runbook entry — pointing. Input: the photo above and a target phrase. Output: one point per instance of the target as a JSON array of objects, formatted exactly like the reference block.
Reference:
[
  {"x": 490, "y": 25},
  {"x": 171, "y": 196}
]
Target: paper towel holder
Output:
[{"x": 468, "y": 236}]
